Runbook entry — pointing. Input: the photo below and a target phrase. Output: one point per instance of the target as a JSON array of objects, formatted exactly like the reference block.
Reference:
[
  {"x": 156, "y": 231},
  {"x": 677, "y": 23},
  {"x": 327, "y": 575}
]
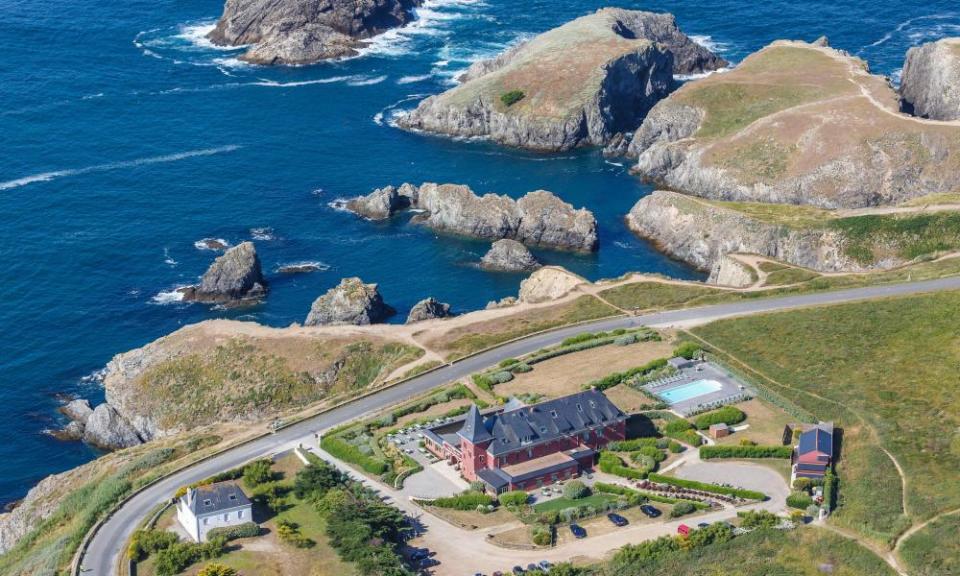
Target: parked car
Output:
[
  {"x": 578, "y": 531},
  {"x": 517, "y": 570},
  {"x": 531, "y": 567},
  {"x": 703, "y": 525},
  {"x": 419, "y": 554},
  {"x": 544, "y": 565},
  {"x": 617, "y": 519},
  {"x": 650, "y": 511}
]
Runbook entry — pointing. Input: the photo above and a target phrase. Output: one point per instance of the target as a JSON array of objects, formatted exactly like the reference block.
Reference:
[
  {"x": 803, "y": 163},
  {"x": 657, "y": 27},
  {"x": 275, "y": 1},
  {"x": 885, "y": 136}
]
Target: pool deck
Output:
[{"x": 731, "y": 389}]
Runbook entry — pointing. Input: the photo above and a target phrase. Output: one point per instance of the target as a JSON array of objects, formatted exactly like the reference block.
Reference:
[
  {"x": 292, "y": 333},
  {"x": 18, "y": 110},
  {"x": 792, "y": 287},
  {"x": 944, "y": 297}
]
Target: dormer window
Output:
[
  {"x": 233, "y": 496},
  {"x": 554, "y": 413},
  {"x": 207, "y": 502},
  {"x": 579, "y": 407}
]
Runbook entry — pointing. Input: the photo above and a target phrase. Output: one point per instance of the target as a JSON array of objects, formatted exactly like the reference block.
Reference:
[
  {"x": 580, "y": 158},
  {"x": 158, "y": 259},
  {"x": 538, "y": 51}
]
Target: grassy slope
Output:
[
  {"x": 934, "y": 550},
  {"x": 478, "y": 336},
  {"x": 882, "y": 366},
  {"x": 803, "y": 552}
]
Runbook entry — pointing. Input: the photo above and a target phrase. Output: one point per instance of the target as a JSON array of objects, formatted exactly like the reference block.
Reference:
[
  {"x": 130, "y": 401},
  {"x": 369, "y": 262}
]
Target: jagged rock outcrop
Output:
[
  {"x": 350, "y": 302},
  {"x": 306, "y": 31},
  {"x": 548, "y": 283},
  {"x": 700, "y": 234},
  {"x": 509, "y": 256},
  {"x": 930, "y": 84},
  {"x": 795, "y": 123},
  {"x": 579, "y": 84},
  {"x": 728, "y": 271},
  {"x": 428, "y": 309},
  {"x": 77, "y": 410},
  {"x": 106, "y": 428},
  {"x": 538, "y": 218},
  {"x": 234, "y": 277}
]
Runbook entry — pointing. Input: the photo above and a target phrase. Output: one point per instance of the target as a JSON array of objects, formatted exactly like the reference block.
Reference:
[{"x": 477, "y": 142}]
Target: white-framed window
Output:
[
  {"x": 206, "y": 521},
  {"x": 240, "y": 514},
  {"x": 226, "y": 516}
]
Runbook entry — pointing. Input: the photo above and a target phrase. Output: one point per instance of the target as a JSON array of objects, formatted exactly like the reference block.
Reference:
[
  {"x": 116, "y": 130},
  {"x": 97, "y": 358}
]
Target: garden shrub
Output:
[
  {"x": 501, "y": 377},
  {"x": 830, "y": 490},
  {"x": 725, "y": 415},
  {"x": 541, "y": 534},
  {"x": 682, "y": 509},
  {"x": 515, "y": 498},
  {"x": 610, "y": 463},
  {"x": 146, "y": 542},
  {"x": 257, "y": 472},
  {"x": 726, "y": 451},
  {"x": 467, "y": 500},
  {"x": 632, "y": 445},
  {"x": 616, "y": 378},
  {"x": 508, "y": 362},
  {"x": 245, "y": 530},
  {"x": 216, "y": 570},
  {"x": 675, "y": 447},
  {"x": 632, "y": 497},
  {"x": 575, "y": 489},
  {"x": 625, "y": 340},
  {"x": 758, "y": 519},
  {"x": 653, "y": 452},
  {"x": 799, "y": 500},
  {"x": 688, "y": 350},
  {"x": 512, "y": 97},
  {"x": 521, "y": 368},
  {"x": 706, "y": 487},
  {"x": 289, "y": 532},
  {"x": 343, "y": 450}
]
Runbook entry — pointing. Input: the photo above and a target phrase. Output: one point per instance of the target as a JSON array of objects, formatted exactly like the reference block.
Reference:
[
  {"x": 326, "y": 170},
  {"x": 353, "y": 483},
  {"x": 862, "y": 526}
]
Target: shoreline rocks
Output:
[
  {"x": 234, "y": 277},
  {"x": 428, "y": 309},
  {"x": 701, "y": 234},
  {"x": 508, "y": 255},
  {"x": 296, "y": 32},
  {"x": 350, "y": 302},
  {"x": 103, "y": 427},
  {"x": 548, "y": 283},
  {"x": 539, "y": 218},
  {"x": 930, "y": 84},
  {"x": 577, "y": 85}
]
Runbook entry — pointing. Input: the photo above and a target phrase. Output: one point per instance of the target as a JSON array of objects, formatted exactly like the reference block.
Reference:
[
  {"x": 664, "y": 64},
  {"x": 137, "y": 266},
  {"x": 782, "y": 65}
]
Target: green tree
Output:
[
  {"x": 575, "y": 489},
  {"x": 216, "y": 570},
  {"x": 257, "y": 472}
]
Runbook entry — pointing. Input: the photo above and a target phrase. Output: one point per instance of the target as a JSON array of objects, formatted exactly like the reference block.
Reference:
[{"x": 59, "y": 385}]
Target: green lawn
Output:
[
  {"x": 886, "y": 371},
  {"x": 558, "y": 504},
  {"x": 769, "y": 552},
  {"x": 934, "y": 550}
]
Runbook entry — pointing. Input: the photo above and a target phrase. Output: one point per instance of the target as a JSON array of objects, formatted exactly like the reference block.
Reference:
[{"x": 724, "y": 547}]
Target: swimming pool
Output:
[{"x": 691, "y": 390}]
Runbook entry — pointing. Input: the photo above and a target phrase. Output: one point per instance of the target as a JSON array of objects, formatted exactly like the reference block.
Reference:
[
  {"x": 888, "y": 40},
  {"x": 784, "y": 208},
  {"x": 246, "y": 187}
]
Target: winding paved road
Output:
[{"x": 102, "y": 552}]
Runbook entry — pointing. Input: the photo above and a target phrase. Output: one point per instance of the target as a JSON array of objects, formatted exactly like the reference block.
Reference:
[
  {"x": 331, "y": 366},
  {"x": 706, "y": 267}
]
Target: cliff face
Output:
[
  {"x": 306, "y": 31},
  {"x": 700, "y": 234},
  {"x": 930, "y": 84},
  {"x": 581, "y": 83},
  {"x": 538, "y": 218},
  {"x": 796, "y": 124}
]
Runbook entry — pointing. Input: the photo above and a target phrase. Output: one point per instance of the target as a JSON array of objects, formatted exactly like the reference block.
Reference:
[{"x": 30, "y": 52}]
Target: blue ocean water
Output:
[{"x": 125, "y": 138}]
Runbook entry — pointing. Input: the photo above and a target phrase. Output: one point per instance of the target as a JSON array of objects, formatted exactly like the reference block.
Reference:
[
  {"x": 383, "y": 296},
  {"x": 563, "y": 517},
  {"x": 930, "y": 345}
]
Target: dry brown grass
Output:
[
  {"x": 567, "y": 374},
  {"x": 766, "y": 424}
]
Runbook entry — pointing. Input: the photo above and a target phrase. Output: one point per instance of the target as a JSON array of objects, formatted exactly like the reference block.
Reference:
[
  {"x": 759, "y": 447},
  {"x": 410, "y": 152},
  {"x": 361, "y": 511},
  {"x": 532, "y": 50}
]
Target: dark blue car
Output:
[
  {"x": 617, "y": 520},
  {"x": 578, "y": 531}
]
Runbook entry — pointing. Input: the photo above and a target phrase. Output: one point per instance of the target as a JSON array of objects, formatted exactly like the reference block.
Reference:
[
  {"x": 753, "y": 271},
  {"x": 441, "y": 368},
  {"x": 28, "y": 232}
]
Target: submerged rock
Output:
[
  {"x": 579, "y": 84},
  {"x": 538, "y": 218},
  {"x": 235, "y": 276},
  {"x": 510, "y": 256},
  {"x": 306, "y": 31},
  {"x": 106, "y": 428},
  {"x": 930, "y": 84},
  {"x": 428, "y": 309},
  {"x": 350, "y": 302}
]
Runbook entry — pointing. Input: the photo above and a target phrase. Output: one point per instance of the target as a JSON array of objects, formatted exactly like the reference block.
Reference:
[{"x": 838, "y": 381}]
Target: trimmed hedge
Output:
[
  {"x": 706, "y": 487},
  {"x": 611, "y": 464},
  {"x": 687, "y": 349},
  {"x": 799, "y": 500},
  {"x": 620, "y": 377},
  {"x": 830, "y": 490},
  {"x": 635, "y": 444},
  {"x": 709, "y": 452},
  {"x": 682, "y": 509},
  {"x": 468, "y": 500},
  {"x": 347, "y": 452},
  {"x": 245, "y": 530},
  {"x": 681, "y": 429},
  {"x": 726, "y": 415},
  {"x": 514, "y": 498}
]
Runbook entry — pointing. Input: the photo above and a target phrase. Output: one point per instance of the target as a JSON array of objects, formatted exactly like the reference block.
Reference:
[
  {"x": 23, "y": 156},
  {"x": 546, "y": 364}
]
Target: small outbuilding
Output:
[
  {"x": 218, "y": 505},
  {"x": 720, "y": 430},
  {"x": 679, "y": 362}
]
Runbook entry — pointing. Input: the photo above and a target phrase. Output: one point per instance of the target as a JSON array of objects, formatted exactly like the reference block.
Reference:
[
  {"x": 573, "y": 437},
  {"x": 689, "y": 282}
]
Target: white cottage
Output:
[{"x": 218, "y": 505}]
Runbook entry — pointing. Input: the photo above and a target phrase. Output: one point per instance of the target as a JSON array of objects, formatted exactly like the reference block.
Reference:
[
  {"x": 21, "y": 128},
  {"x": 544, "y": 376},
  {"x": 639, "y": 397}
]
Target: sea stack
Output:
[
  {"x": 297, "y": 32},
  {"x": 538, "y": 218},
  {"x": 234, "y": 277},
  {"x": 930, "y": 84},
  {"x": 577, "y": 85},
  {"x": 350, "y": 302},
  {"x": 509, "y": 256},
  {"x": 428, "y": 309}
]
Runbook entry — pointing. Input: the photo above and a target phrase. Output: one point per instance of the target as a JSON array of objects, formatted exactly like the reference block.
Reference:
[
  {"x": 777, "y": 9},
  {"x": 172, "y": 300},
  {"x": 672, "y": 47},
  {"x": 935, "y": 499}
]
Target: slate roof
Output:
[
  {"x": 204, "y": 500},
  {"x": 818, "y": 438},
  {"x": 528, "y": 425}
]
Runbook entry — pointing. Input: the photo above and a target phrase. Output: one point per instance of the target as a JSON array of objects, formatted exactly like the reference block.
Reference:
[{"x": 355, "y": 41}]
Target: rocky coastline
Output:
[
  {"x": 539, "y": 218},
  {"x": 930, "y": 83},
  {"x": 580, "y": 84},
  {"x": 297, "y": 33},
  {"x": 235, "y": 277}
]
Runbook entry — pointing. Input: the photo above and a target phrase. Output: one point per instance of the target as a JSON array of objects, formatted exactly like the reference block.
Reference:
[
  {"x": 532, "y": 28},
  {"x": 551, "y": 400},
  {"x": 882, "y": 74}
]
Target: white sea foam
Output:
[
  {"x": 167, "y": 259},
  {"x": 195, "y": 33},
  {"x": 340, "y": 205},
  {"x": 53, "y": 175},
  {"x": 169, "y": 297},
  {"x": 709, "y": 43},
  {"x": 378, "y": 118},
  {"x": 92, "y": 96},
  {"x": 264, "y": 234},
  {"x": 412, "y": 79},
  {"x": 896, "y": 76},
  {"x": 697, "y": 76},
  {"x": 621, "y": 244},
  {"x": 905, "y": 24},
  {"x": 212, "y": 244},
  {"x": 429, "y": 20},
  {"x": 617, "y": 164},
  {"x": 366, "y": 81},
  {"x": 312, "y": 265},
  {"x": 274, "y": 84}
]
